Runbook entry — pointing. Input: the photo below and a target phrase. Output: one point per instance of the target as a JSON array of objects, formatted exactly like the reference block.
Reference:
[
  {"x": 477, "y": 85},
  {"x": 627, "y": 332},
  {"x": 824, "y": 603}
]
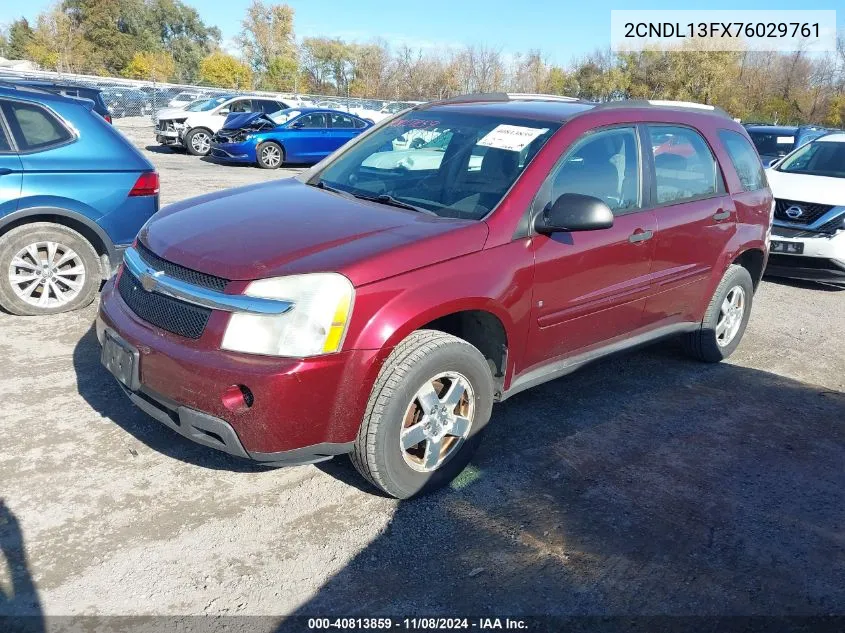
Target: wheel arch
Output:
[
  {"x": 479, "y": 321},
  {"x": 754, "y": 261},
  {"x": 83, "y": 225}
]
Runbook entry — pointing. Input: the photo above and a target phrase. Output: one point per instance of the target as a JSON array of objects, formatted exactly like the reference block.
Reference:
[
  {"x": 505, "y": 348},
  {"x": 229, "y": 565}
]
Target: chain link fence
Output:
[{"x": 139, "y": 98}]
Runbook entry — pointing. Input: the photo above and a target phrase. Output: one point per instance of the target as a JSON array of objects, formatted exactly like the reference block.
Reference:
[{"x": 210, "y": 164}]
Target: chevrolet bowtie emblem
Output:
[{"x": 149, "y": 281}]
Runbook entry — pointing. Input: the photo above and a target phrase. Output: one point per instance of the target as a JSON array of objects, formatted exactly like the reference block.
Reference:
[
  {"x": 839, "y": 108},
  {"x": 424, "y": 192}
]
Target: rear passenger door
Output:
[
  {"x": 695, "y": 216},
  {"x": 11, "y": 171},
  {"x": 342, "y": 130},
  {"x": 590, "y": 287}
]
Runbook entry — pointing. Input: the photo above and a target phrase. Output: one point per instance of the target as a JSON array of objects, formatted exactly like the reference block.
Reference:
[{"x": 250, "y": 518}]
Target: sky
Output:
[{"x": 562, "y": 30}]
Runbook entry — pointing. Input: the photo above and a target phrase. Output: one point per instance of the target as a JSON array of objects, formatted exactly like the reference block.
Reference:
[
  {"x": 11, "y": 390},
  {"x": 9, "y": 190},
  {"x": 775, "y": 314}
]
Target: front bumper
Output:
[
  {"x": 823, "y": 258},
  {"x": 168, "y": 136},
  {"x": 233, "y": 152},
  {"x": 303, "y": 410},
  {"x": 216, "y": 433}
]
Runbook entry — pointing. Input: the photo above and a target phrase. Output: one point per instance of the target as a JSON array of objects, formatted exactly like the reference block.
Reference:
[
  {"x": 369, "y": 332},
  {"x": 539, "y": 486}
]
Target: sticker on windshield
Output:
[
  {"x": 511, "y": 137},
  {"x": 786, "y": 139}
]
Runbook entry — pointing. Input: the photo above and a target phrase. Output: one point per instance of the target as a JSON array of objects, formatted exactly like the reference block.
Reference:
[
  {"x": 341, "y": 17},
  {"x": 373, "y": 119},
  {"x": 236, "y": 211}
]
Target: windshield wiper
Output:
[
  {"x": 389, "y": 200},
  {"x": 321, "y": 184}
]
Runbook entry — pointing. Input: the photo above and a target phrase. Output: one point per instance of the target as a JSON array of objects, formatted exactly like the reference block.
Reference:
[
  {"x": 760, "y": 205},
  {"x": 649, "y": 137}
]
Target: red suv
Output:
[{"x": 381, "y": 302}]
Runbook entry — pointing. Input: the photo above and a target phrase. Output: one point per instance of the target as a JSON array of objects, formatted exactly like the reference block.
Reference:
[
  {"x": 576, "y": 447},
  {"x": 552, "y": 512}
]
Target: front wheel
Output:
[
  {"x": 46, "y": 268},
  {"x": 198, "y": 142},
  {"x": 425, "y": 415},
  {"x": 725, "y": 320},
  {"x": 269, "y": 155}
]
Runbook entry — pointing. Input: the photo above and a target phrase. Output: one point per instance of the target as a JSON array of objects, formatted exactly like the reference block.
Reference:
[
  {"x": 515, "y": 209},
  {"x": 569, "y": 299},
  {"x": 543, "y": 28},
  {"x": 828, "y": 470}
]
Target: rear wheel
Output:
[
  {"x": 269, "y": 155},
  {"x": 46, "y": 268},
  {"x": 724, "y": 322},
  {"x": 198, "y": 141},
  {"x": 426, "y": 412}
]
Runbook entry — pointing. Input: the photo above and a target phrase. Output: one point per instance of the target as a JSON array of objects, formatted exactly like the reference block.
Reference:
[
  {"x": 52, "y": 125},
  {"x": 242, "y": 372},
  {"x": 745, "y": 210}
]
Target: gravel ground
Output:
[{"x": 644, "y": 484}]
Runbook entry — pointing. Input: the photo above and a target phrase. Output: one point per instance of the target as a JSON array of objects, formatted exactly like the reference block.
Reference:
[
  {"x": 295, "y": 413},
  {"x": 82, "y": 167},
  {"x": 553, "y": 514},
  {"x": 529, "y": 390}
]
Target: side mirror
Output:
[
  {"x": 296, "y": 125},
  {"x": 574, "y": 212},
  {"x": 224, "y": 112},
  {"x": 774, "y": 162}
]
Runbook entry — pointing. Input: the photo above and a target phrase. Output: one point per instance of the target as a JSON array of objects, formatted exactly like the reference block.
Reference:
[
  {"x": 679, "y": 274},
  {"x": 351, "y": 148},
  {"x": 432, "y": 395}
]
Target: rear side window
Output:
[
  {"x": 5, "y": 146},
  {"x": 359, "y": 123},
  {"x": 34, "y": 127},
  {"x": 341, "y": 120},
  {"x": 744, "y": 159},
  {"x": 684, "y": 166}
]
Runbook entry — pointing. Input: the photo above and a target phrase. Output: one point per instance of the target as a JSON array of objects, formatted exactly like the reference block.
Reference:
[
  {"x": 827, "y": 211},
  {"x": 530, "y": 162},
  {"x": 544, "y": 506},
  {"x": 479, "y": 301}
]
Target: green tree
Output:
[
  {"x": 19, "y": 37},
  {"x": 267, "y": 40},
  {"x": 225, "y": 71}
]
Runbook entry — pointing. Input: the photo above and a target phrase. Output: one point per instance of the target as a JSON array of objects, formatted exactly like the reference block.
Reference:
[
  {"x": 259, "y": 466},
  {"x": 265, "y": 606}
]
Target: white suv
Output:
[
  {"x": 808, "y": 236},
  {"x": 193, "y": 127}
]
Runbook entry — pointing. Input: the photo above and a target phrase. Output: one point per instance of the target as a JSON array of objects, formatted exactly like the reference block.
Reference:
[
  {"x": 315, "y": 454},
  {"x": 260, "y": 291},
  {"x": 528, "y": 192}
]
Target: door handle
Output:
[
  {"x": 640, "y": 236},
  {"x": 721, "y": 215},
  {"x": 5, "y": 170}
]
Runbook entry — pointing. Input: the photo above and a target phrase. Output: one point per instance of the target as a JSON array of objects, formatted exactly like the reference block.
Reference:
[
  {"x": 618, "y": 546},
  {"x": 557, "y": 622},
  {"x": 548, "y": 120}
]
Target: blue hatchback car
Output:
[
  {"x": 73, "y": 194},
  {"x": 295, "y": 135}
]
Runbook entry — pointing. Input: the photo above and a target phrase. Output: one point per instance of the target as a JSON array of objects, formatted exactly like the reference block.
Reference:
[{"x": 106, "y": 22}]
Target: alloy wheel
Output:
[
  {"x": 271, "y": 156},
  {"x": 47, "y": 274},
  {"x": 201, "y": 142},
  {"x": 437, "y": 421},
  {"x": 731, "y": 313}
]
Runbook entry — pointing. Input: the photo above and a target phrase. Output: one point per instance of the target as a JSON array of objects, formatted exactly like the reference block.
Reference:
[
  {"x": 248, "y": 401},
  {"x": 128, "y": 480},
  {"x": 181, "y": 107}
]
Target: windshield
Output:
[
  {"x": 205, "y": 104},
  {"x": 819, "y": 158},
  {"x": 772, "y": 143},
  {"x": 475, "y": 161},
  {"x": 280, "y": 116}
]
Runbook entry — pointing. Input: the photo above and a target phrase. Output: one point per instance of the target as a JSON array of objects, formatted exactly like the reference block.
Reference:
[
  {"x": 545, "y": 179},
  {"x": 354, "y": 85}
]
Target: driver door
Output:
[{"x": 590, "y": 287}]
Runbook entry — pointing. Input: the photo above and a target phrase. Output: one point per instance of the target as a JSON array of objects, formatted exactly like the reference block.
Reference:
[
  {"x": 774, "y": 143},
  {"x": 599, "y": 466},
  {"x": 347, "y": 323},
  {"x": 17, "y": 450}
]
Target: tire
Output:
[
  {"x": 394, "y": 406},
  {"x": 274, "y": 151},
  {"x": 66, "y": 290},
  {"x": 707, "y": 343},
  {"x": 198, "y": 141}
]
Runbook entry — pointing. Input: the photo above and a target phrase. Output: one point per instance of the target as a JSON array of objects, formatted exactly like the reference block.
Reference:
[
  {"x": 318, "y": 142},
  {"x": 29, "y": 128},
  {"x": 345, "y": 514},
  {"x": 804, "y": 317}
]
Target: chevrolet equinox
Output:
[{"x": 381, "y": 302}]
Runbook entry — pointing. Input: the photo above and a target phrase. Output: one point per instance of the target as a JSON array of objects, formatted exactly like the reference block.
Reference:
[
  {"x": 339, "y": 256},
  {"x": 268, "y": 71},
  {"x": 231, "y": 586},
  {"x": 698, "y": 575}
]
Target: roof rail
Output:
[
  {"x": 506, "y": 96},
  {"x": 661, "y": 103}
]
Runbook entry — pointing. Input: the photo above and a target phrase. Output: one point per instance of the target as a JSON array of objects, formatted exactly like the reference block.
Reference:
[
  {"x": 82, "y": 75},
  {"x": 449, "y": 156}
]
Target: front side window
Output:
[
  {"x": 243, "y": 105},
  {"x": 34, "y": 127},
  {"x": 684, "y": 166},
  {"x": 462, "y": 166},
  {"x": 744, "y": 159},
  {"x": 605, "y": 165},
  {"x": 311, "y": 121},
  {"x": 818, "y": 158}
]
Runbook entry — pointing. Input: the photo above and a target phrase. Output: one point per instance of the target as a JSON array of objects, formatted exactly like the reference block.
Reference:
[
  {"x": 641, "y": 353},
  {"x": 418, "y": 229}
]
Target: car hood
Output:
[
  {"x": 806, "y": 188},
  {"x": 286, "y": 227},
  {"x": 171, "y": 113},
  {"x": 238, "y": 120}
]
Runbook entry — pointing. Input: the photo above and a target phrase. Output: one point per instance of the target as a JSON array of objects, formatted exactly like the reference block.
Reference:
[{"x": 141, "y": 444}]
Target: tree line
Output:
[{"x": 166, "y": 40}]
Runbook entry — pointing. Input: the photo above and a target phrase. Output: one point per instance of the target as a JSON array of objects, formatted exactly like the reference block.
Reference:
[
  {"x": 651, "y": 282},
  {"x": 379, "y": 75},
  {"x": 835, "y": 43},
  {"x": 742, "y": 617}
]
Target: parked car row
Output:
[{"x": 390, "y": 295}]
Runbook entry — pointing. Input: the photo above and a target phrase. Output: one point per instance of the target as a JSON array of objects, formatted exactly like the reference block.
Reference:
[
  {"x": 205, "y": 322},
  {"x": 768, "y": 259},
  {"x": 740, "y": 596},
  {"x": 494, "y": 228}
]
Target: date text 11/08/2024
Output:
[{"x": 421, "y": 624}]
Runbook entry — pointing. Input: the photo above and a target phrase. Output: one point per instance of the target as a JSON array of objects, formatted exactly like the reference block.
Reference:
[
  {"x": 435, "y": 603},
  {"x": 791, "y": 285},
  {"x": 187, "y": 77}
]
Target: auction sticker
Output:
[{"x": 511, "y": 137}]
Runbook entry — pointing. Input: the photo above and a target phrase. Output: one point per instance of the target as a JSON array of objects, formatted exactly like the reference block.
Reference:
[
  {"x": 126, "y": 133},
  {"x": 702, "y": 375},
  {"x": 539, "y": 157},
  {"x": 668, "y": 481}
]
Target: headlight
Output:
[{"x": 316, "y": 324}]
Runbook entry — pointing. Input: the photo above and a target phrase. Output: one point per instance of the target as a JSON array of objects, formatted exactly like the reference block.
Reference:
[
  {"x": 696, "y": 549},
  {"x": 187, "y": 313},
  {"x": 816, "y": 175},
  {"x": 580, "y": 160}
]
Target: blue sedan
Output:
[{"x": 295, "y": 135}]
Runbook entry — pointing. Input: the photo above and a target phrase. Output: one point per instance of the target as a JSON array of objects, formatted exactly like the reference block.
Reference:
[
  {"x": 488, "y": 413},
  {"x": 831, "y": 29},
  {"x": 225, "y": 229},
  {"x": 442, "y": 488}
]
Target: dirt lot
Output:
[{"x": 646, "y": 484}]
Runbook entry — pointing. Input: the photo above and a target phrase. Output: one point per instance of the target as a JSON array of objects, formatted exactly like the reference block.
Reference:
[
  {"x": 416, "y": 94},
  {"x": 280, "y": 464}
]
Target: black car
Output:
[
  {"x": 69, "y": 90},
  {"x": 773, "y": 142},
  {"x": 127, "y": 102}
]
